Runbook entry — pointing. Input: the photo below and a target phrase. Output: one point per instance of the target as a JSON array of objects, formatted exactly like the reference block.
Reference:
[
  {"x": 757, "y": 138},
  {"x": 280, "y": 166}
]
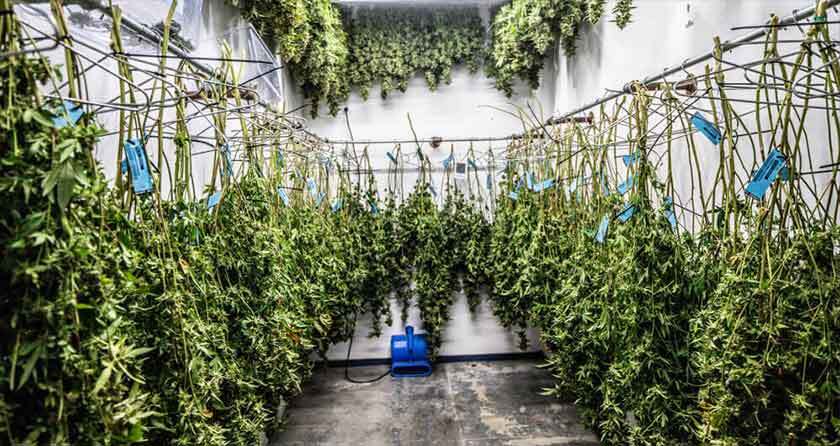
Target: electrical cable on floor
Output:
[{"x": 347, "y": 362}]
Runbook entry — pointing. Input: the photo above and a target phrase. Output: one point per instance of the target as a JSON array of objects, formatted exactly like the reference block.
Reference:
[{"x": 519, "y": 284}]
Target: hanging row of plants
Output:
[
  {"x": 331, "y": 55},
  {"x": 145, "y": 310},
  {"x": 142, "y": 310},
  {"x": 723, "y": 334}
]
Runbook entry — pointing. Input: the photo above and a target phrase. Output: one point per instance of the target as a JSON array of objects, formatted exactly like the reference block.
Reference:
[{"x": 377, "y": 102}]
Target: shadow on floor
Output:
[{"x": 461, "y": 404}]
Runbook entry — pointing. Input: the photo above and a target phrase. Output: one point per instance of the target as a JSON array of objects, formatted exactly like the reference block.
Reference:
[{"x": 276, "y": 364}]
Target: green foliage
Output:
[
  {"x": 390, "y": 45},
  {"x": 523, "y": 31},
  {"x": 309, "y": 35}
]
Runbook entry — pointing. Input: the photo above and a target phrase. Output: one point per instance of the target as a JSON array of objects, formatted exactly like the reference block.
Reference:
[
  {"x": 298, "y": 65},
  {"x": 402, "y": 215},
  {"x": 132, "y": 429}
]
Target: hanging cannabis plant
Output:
[{"x": 523, "y": 32}]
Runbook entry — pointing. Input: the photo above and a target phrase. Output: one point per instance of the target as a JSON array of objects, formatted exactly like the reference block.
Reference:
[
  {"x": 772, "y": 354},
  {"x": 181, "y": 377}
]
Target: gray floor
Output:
[{"x": 463, "y": 404}]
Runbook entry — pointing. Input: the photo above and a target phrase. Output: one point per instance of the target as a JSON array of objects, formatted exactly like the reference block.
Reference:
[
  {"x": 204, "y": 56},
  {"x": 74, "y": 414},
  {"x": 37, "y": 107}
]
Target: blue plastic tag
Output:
[
  {"x": 124, "y": 166},
  {"x": 626, "y": 213},
  {"x": 625, "y": 186},
  {"x": 766, "y": 174},
  {"x": 68, "y": 113},
  {"x": 631, "y": 159},
  {"x": 601, "y": 236},
  {"x": 513, "y": 195},
  {"x": 489, "y": 181},
  {"x": 141, "y": 179},
  {"x": 228, "y": 168},
  {"x": 530, "y": 180},
  {"x": 541, "y": 186},
  {"x": 312, "y": 186},
  {"x": 447, "y": 162},
  {"x": 391, "y": 157},
  {"x": 472, "y": 163},
  {"x": 669, "y": 212},
  {"x": 213, "y": 200},
  {"x": 706, "y": 128},
  {"x": 373, "y": 208},
  {"x": 337, "y": 204},
  {"x": 283, "y": 195}
]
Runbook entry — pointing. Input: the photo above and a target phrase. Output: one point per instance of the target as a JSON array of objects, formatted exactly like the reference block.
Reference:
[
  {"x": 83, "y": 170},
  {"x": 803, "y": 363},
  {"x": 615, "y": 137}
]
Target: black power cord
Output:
[{"x": 347, "y": 363}]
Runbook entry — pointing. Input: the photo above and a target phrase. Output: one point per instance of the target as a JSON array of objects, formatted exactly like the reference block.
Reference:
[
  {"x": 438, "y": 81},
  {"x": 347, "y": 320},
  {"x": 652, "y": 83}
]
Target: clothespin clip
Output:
[
  {"x": 68, "y": 113},
  {"x": 213, "y": 200},
  {"x": 337, "y": 204},
  {"x": 706, "y": 128},
  {"x": 601, "y": 236},
  {"x": 626, "y": 213},
  {"x": 283, "y": 195},
  {"x": 767, "y": 174},
  {"x": 625, "y": 186},
  {"x": 141, "y": 179}
]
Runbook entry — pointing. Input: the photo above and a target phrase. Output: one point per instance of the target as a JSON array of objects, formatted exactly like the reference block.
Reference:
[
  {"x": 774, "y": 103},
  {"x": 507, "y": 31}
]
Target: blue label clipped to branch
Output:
[
  {"x": 631, "y": 159},
  {"x": 766, "y": 174},
  {"x": 489, "y": 181},
  {"x": 312, "y": 186},
  {"x": 213, "y": 200},
  {"x": 68, "y": 113},
  {"x": 669, "y": 212},
  {"x": 706, "y": 128},
  {"x": 337, "y": 204},
  {"x": 625, "y": 186},
  {"x": 541, "y": 186},
  {"x": 513, "y": 195},
  {"x": 373, "y": 208},
  {"x": 391, "y": 157},
  {"x": 601, "y": 235},
  {"x": 283, "y": 195},
  {"x": 228, "y": 168},
  {"x": 141, "y": 179},
  {"x": 448, "y": 161},
  {"x": 472, "y": 163},
  {"x": 626, "y": 213}
]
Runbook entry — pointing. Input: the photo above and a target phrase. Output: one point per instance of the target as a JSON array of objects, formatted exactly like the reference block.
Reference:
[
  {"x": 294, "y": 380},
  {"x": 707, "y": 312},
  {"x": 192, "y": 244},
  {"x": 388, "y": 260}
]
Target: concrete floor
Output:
[{"x": 461, "y": 404}]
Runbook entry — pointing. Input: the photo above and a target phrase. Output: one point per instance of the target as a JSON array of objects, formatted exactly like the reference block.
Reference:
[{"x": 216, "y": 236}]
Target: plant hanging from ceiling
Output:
[
  {"x": 523, "y": 32},
  {"x": 389, "y": 46}
]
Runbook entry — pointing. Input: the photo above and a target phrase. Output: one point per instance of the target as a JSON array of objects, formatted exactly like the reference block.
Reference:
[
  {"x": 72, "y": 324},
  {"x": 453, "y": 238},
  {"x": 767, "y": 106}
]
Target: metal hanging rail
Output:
[{"x": 725, "y": 46}]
